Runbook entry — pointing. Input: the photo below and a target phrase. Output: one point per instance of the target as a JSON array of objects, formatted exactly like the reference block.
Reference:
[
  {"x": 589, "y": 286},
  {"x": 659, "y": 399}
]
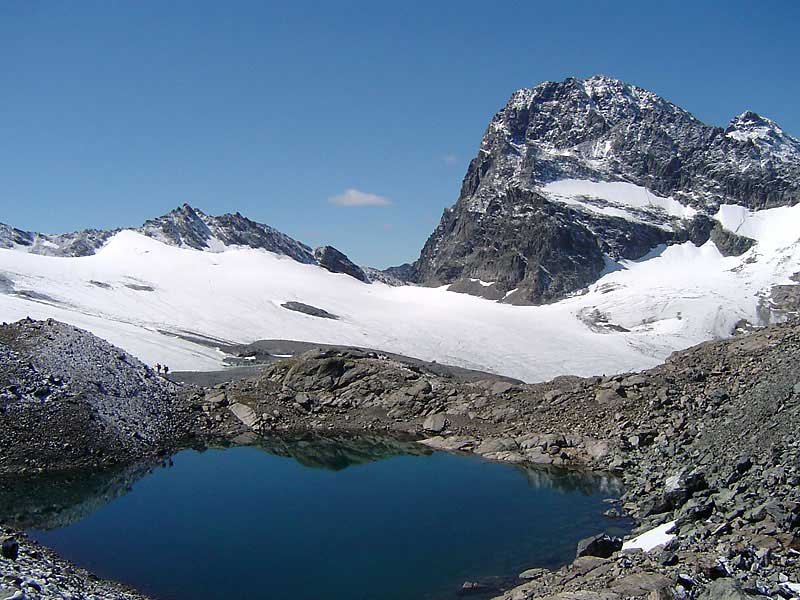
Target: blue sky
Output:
[{"x": 114, "y": 112}]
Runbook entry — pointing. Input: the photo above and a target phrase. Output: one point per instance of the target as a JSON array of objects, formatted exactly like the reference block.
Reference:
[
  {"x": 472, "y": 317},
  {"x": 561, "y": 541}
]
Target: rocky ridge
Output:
[
  {"x": 187, "y": 227},
  {"x": 532, "y": 246}
]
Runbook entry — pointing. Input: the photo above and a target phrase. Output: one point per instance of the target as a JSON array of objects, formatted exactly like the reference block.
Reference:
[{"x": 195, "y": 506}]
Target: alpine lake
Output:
[{"x": 312, "y": 517}]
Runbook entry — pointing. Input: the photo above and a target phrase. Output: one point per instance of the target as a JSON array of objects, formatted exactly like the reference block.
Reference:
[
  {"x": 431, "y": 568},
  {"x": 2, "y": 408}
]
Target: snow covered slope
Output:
[{"x": 141, "y": 294}]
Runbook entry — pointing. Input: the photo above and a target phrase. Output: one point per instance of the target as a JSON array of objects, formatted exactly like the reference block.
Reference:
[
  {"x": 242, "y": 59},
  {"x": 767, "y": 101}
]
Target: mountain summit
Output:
[{"x": 572, "y": 174}]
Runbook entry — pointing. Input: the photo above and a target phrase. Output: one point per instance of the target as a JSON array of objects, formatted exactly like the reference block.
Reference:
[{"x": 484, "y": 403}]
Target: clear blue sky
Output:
[{"x": 114, "y": 112}]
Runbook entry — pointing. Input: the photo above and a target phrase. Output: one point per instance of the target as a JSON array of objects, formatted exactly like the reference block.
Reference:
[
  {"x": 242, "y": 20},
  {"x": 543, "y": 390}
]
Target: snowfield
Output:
[
  {"x": 617, "y": 199},
  {"x": 141, "y": 294}
]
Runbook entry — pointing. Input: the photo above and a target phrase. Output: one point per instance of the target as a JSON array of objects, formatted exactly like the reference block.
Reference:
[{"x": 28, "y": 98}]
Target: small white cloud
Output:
[
  {"x": 354, "y": 197},
  {"x": 450, "y": 159}
]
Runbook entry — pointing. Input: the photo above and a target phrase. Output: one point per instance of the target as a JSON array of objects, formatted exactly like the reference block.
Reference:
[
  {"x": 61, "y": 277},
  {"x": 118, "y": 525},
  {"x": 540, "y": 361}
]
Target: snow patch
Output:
[
  {"x": 483, "y": 283},
  {"x": 772, "y": 229},
  {"x": 618, "y": 198},
  {"x": 649, "y": 540}
]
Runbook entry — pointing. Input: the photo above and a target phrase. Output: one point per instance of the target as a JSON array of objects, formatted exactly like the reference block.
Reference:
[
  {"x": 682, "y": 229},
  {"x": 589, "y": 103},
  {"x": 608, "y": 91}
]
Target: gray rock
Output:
[
  {"x": 501, "y": 387},
  {"x": 435, "y": 423},
  {"x": 419, "y": 388},
  {"x": 725, "y": 589},
  {"x": 606, "y": 396},
  {"x": 532, "y": 573},
  {"x": 497, "y": 445},
  {"x": 244, "y": 413},
  {"x": 638, "y": 584}
]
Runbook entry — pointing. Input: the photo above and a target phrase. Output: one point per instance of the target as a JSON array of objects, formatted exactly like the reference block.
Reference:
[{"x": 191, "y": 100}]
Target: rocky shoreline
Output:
[{"x": 707, "y": 441}]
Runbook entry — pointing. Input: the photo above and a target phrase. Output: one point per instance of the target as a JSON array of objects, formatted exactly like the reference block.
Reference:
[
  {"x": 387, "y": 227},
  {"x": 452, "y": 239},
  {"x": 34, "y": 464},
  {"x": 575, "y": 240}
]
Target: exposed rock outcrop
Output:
[{"x": 334, "y": 261}]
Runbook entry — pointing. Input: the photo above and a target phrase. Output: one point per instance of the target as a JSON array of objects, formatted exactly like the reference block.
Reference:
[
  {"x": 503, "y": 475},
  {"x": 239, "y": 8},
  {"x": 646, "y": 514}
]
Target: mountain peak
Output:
[
  {"x": 184, "y": 209},
  {"x": 764, "y": 134},
  {"x": 568, "y": 171}
]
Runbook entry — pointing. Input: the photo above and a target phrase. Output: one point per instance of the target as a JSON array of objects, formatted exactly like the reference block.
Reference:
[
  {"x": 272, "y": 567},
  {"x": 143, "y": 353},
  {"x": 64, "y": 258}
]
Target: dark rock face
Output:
[
  {"x": 502, "y": 230},
  {"x": 530, "y": 248},
  {"x": 10, "y": 549},
  {"x": 308, "y": 310},
  {"x": 602, "y": 546},
  {"x": 730, "y": 244},
  {"x": 334, "y": 261},
  {"x": 522, "y": 242}
]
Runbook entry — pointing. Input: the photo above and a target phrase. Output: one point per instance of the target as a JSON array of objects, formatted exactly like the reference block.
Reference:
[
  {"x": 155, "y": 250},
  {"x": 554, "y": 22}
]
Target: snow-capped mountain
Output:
[
  {"x": 638, "y": 229},
  {"x": 571, "y": 174},
  {"x": 186, "y": 227},
  {"x": 159, "y": 301}
]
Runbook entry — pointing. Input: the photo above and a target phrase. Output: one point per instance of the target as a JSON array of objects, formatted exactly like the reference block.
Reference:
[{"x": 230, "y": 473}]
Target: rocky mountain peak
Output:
[
  {"x": 765, "y": 135},
  {"x": 187, "y": 227},
  {"x": 335, "y": 261},
  {"x": 569, "y": 171},
  {"x": 182, "y": 226}
]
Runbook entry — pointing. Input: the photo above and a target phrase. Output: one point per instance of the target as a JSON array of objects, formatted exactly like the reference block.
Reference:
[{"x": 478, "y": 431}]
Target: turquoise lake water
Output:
[{"x": 317, "y": 519}]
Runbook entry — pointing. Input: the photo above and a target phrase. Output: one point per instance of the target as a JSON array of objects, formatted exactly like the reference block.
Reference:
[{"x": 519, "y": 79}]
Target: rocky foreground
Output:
[{"x": 706, "y": 444}]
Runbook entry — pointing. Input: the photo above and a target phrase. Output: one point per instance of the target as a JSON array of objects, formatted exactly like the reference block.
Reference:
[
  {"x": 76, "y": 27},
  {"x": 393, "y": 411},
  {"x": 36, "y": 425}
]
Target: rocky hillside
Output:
[
  {"x": 69, "y": 399},
  {"x": 531, "y": 221},
  {"x": 186, "y": 227}
]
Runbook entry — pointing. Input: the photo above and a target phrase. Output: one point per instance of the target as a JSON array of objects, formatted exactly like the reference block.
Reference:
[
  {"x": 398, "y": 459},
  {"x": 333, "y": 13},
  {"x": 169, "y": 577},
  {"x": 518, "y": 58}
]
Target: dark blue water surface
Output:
[{"x": 304, "y": 523}]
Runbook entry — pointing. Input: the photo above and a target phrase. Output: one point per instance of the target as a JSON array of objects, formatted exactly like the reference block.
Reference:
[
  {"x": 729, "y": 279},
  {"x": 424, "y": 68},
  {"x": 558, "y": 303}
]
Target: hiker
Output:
[
  {"x": 158, "y": 368},
  {"x": 166, "y": 370}
]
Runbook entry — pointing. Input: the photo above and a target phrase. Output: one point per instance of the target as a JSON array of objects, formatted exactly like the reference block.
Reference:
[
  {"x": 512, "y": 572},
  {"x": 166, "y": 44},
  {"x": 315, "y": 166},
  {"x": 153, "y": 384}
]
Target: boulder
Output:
[
  {"x": 496, "y": 445},
  {"x": 501, "y": 387},
  {"x": 678, "y": 488},
  {"x": 532, "y": 573},
  {"x": 602, "y": 545},
  {"x": 419, "y": 388},
  {"x": 216, "y": 398},
  {"x": 10, "y": 549},
  {"x": 724, "y": 589},
  {"x": 604, "y": 396},
  {"x": 244, "y": 413},
  {"x": 639, "y": 584},
  {"x": 435, "y": 423}
]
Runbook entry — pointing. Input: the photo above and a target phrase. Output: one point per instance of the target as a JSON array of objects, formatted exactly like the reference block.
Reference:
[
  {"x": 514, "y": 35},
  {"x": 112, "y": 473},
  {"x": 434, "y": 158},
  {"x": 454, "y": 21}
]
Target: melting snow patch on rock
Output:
[{"x": 658, "y": 536}]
